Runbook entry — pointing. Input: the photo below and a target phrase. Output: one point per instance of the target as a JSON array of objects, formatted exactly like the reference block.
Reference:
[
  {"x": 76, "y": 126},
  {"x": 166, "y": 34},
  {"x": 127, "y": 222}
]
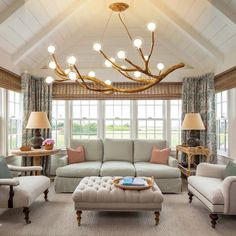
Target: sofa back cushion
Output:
[
  {"x": 160, "y": 156},
  {"x": 118, "y": 150},
  {"x": 75, "y": 155},
  {"x": 5, "y": 173},
  {"x": 143, "y": 149},
  {"x": 93, "y": 149}
]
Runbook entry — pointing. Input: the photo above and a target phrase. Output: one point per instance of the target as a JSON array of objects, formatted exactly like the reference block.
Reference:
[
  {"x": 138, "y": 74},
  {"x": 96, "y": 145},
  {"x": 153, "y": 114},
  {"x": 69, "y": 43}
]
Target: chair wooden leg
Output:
[
  {"x": 190, "y": 197},
  {"x": 157, "y": 217},
  {"x": 26, "y": 212},
  {"x": 214, "y": 218},
  {"x": 78, "y": 217},
  {"x": 46, "y": 195}
]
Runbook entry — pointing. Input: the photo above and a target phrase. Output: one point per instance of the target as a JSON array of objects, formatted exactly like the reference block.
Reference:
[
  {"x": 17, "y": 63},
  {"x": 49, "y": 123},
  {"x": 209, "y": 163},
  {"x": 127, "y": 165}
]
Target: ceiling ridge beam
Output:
[
  {"x": 11, "y": 10},
  {"x": 46, "y": 31},
  {"x": 226, "y": 11},
  {"x": 185, "y": 28}
]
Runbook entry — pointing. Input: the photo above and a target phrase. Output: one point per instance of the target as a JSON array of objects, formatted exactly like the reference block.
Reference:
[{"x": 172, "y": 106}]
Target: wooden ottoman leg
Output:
[
  {"x": 46, "y": 195},
  {"x": 157, "y": 217},
  {"x": 190, "y": 197},
  {"x": 78, "y": 217},
  {"x": 214, "y": 218},
  {"x": 26, "y": 211}
]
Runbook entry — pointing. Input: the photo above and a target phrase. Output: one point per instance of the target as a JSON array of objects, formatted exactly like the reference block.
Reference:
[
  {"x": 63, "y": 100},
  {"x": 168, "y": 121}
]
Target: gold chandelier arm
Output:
[
  {"x": 151, "y": 51},
  {"x": 171, "y": 69},
  {"x": 58, "y": 73},
  {"x": 131, "y": 78},
  {"x": 58, "y": 65},
  {"x": 126, "y": 29},
  {"x": 135, "y": 66}
]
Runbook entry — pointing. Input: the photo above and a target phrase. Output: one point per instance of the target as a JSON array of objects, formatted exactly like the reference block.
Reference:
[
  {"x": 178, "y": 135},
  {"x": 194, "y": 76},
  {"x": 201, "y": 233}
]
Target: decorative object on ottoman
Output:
[
  {"x": 37, "y": 121},
  {"x": 48, "y": 144},
  {"x": 135, "y": 184},
  {"x": 100, "y": 194}
]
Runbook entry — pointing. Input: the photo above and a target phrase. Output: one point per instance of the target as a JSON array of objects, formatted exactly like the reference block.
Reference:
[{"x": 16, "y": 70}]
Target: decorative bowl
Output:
[{"x": 25, "y": 148}]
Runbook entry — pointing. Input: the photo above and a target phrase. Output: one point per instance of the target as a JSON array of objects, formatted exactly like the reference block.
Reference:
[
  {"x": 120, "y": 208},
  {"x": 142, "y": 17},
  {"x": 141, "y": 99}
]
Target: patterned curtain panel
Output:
[
  {"x": 198, "y": 95},
  {"x": 37, "y": 96}
]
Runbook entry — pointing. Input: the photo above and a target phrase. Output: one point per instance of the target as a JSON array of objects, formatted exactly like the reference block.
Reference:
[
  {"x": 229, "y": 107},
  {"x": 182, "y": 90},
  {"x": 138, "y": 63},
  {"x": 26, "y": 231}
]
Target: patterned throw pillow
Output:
[
  {"x": 160, "y": 156},
  {"x": 5, "y": 173},
  {"x": 230, "y": 169},
  {"x": 75, "y": 155}
]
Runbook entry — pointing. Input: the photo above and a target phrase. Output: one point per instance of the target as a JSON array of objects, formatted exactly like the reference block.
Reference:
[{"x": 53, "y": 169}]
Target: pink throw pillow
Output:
[
  {"x": 160, "y": 156},
  {"x": 75, "y": 155}
]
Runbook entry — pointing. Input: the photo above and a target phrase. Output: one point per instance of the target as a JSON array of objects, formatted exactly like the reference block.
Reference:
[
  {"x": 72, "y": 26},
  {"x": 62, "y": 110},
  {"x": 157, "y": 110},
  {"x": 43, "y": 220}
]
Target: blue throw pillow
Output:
[
  {"x": 5, "y": 173},
  {"x": 230, "y": 169}
]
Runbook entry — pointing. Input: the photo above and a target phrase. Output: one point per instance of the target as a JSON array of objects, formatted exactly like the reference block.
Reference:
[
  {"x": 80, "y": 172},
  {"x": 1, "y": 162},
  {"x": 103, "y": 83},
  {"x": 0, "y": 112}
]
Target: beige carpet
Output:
[{"x": 57, "y": 218}]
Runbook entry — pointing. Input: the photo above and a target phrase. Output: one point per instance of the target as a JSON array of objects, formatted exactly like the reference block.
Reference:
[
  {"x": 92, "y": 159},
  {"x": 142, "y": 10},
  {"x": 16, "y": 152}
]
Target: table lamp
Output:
[
  {"x": 193, "y": 122},
  {"x": 37, "y": 121}
]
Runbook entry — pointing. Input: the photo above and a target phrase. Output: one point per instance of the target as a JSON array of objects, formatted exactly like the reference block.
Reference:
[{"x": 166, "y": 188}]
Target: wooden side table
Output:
[
  {"x": 191, "y": 152},
  {"x": 36, "y": 155}
]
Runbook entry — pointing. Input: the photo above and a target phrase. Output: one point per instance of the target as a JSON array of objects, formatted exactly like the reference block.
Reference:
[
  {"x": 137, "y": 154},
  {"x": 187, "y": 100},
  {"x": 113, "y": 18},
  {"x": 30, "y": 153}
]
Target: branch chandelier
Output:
[{"x": 139, "y": 74}]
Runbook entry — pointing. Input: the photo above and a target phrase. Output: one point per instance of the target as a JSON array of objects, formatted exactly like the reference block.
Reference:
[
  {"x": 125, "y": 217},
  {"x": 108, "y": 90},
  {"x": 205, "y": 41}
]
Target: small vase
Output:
[{"x": 48, "y": 146}]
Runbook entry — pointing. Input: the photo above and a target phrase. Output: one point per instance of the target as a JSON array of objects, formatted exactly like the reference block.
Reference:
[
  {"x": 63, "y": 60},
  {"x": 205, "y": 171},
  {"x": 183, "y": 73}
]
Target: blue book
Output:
[{"x": 127, "y": 181}]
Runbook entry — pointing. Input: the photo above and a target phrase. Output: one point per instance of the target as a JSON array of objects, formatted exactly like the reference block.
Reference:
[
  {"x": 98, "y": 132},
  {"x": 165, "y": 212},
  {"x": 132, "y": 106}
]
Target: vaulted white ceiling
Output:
[{"x": 200, "y": 33}]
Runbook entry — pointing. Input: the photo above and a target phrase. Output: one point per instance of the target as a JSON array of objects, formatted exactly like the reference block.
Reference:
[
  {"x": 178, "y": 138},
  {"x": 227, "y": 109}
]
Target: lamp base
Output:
[
  {"x": 37, "y": 140},
  {"x": 193, "y": 140}
]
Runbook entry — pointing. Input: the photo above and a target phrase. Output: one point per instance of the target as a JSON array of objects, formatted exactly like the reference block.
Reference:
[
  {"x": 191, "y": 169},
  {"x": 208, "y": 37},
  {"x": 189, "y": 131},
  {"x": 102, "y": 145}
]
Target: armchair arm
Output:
[
  {"x": 229, "y": 194},
  {"x": 10, "y": 182},
  {"x": 173, "y": 162},
  {"x": 24, "y": 168},
  {"x": 210, "y": 170}
]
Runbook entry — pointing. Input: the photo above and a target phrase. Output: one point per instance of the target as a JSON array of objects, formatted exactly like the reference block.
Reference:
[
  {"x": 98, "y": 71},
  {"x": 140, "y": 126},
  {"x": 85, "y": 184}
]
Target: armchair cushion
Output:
[
  {"x": 210, "y": 170},
  {"x": 230, "y": 169},
  {"x": 4, "y": 170}
]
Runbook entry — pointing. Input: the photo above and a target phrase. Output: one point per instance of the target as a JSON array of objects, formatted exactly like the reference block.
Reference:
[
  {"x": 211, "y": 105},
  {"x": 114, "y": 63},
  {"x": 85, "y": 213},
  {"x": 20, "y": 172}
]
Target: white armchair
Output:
[
  {"x": 215, "y": 192},
  {"x": 22, "y": 191}
]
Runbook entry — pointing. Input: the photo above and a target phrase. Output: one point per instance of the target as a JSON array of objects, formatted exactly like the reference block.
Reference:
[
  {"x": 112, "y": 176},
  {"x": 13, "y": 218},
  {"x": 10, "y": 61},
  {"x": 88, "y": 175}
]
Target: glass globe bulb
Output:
[
  {"x": 97, "y": 47},
  {"x": 121, "y": 54},
  {"x": 108, "y": 63},
  {"x": 160, "y": 66},
  {"x": 137, "y": 74},
  {"x": 91, "y": 74},
  {"x": 137, "y": 42},
  {"x": 146, "y": 57},
  {"x": 123, "y": 67},
  {"x": 72, "y": 75},
  {"x": 151, "y": 26},
  {"x": 71, "y": 60},
  {"x": 49, "y": 79},
  {"x": 52, "y": 65},
  {"x": 51, "y": 49},
  {"x": 67, "y": 71},
  {"x": 108, "y": 82}
]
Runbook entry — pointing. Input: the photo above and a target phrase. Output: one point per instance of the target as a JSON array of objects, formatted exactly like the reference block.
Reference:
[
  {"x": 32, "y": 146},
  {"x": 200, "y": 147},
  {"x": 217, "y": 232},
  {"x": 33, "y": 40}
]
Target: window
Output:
[
  {"x": 58, "y": 123},
  {"x": 222, "y": 121},
  {"x": 14, "y": 120},
  {"x": 117, "y": 119},
  {"x": 151, "y": 119},
  {"x": 175, "y": 122},
  {"x": 84, "y": 119}
]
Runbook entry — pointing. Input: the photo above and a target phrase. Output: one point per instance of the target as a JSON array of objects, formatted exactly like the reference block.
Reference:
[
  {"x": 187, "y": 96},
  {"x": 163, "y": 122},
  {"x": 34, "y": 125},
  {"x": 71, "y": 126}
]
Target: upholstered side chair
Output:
[
  {"x": 217, "y": 193},
  {"x": 22, "y": 191}
]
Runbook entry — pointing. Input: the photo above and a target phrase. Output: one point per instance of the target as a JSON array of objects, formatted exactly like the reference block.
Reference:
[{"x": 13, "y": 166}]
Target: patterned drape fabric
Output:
[
  {"x": 37, "y": 96},
  {"x": 198, "y": 95}
]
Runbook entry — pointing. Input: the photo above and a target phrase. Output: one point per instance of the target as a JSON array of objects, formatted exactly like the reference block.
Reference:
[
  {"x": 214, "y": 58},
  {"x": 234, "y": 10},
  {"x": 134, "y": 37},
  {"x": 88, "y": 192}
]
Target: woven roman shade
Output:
[
  {"x": 226, "y": 80},
  {"x": 72, "y": 91},
  {"x": 10, "y": 80}
]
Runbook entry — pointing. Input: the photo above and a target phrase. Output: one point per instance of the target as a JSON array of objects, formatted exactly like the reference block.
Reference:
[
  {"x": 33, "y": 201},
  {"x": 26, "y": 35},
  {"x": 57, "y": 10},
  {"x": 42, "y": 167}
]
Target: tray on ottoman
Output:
[{"x": 100, "y": 194}]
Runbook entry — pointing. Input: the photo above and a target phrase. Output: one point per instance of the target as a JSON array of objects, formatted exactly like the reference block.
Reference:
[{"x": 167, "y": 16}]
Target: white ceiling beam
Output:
[
  {"x": 47, "y": 31},
  {"x": 187, "y": 30},
  {"x": 11, "y": 9},
  {"x": 224, "y": 9}
]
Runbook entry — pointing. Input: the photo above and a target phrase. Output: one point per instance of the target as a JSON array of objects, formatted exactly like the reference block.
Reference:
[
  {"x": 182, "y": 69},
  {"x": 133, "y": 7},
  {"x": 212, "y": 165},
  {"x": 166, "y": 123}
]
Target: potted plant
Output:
[{"x": 48, "y": 144}]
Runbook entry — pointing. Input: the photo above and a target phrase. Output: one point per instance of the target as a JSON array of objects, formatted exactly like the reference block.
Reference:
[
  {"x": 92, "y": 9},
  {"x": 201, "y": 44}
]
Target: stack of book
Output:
[{"x": 130, "y": 181}]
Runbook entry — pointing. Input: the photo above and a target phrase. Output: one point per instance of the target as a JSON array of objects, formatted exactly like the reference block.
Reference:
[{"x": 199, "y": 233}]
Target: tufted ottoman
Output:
[{"x": 99, "y": 194}]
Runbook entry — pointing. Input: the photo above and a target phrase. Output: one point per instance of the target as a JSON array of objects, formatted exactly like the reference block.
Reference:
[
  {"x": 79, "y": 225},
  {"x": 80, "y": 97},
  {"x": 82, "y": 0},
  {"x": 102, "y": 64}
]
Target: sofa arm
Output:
[
  {"x": 10, "y": 182},
  {"x": 63, "y": 161},
  {"x": 210, "y": 170},
  {"x": 229, "y": 193},
  {"x": 173, "y": 162}
]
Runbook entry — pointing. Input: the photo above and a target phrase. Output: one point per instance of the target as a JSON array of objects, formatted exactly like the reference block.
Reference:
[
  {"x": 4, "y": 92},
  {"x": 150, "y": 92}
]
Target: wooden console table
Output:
[
  {"x": 191, "y": 152},
  {"x": 36, "y": 155}
]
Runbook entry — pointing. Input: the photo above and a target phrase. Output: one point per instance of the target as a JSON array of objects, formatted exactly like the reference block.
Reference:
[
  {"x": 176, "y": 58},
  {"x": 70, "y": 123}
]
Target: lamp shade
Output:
[
  {"x": 192, "y": 121},
  {"x": 38, "y": 120}
]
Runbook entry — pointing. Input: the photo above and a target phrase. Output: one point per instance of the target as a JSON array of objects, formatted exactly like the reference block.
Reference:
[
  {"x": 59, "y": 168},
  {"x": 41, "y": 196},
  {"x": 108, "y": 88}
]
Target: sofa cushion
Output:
[
  {"x": 230, "y": 169},
  {"x": 210, "y": 188},
  {"x": 75, "y": 155},
  {"x": 160, "y": 156},
  {"x": 156, "y": 170},
  {"x": 117, "y": 168},
  {"x": 5, "y": 173},
  {"x": 78, "y": 170},
  {"x": 118, "y": 150},
  {"x": 93, "y": 149},
  {"x": 143, "y": 149}
]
